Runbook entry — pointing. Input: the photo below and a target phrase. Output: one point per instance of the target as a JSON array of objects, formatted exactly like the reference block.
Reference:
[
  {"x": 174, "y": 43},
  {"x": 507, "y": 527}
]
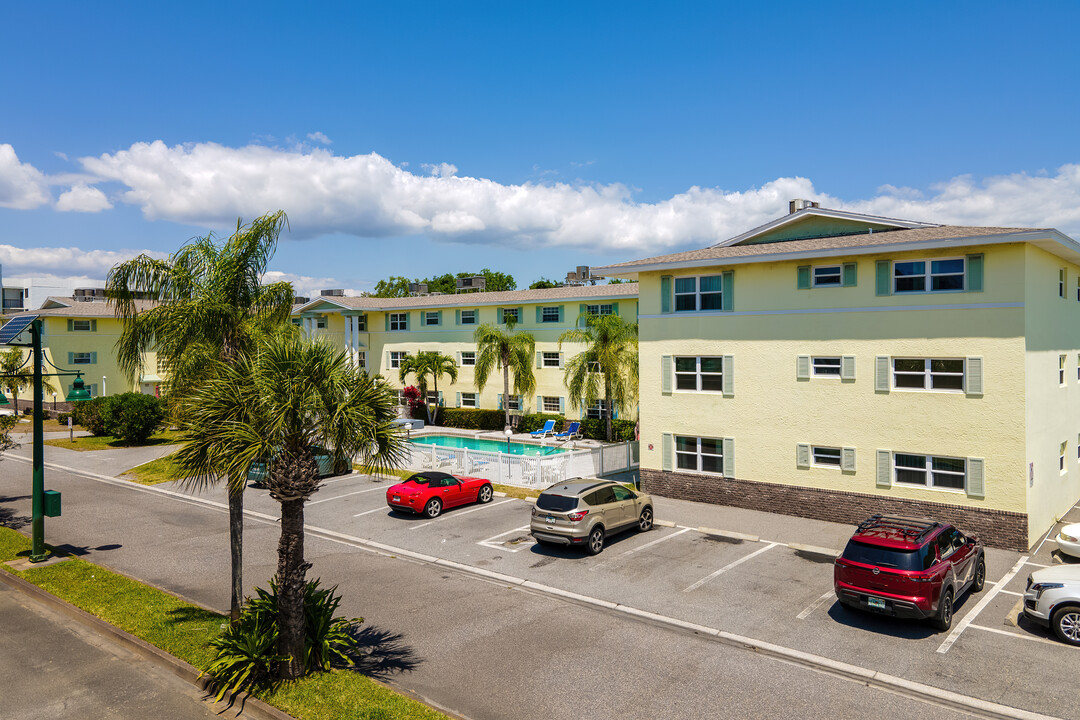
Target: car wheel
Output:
[
  {"x": 980, "y": 576},
  {"x": 1066, "y": 624},
  {"x": 596, "y": 541},
  {"x": 644, "y": 522},
  {"x": 433, "y": 508},
  {"x": 485, "y": 494},
  {"x": 943, "y": 619}
]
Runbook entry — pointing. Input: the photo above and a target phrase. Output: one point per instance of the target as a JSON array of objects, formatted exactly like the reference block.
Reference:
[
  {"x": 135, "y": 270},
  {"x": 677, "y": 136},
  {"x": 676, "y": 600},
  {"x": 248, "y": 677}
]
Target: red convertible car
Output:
[{"x": 432, "y": 492}]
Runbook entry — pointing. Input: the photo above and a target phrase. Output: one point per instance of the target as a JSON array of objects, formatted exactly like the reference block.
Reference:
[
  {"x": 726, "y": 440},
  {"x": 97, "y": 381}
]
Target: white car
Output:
[
  {"x": 1068, "y": 540},
  {"x": 1052, "y": 599}
]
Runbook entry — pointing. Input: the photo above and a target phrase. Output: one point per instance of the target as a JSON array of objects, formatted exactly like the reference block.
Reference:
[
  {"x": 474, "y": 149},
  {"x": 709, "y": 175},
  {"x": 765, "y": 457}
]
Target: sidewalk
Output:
[{"x": 53, "y": 668}]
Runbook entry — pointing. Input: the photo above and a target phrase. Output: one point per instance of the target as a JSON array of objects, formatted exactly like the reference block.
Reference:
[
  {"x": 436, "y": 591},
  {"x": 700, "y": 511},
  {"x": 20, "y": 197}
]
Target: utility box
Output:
[{"x": 52, "y": 503}]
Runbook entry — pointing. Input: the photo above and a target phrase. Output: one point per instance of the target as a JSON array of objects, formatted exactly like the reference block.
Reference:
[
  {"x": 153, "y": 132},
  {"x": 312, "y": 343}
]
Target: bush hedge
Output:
[
  {"x": 133, "y": 417},
  {"x": 87, "y": 415},
  {"x": 472, "y": 419}
]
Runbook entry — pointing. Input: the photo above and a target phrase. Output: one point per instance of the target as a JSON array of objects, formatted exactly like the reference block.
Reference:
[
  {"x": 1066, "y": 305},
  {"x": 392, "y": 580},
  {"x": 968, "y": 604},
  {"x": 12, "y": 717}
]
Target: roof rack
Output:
[{"x": 913, "y": 528}]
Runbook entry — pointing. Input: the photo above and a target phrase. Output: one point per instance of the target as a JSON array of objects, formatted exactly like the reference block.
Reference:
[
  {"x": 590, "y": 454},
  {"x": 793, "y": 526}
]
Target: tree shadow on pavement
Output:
[
  {"x": 8, "y": 517},
  {"x": 381, "y": 653}
]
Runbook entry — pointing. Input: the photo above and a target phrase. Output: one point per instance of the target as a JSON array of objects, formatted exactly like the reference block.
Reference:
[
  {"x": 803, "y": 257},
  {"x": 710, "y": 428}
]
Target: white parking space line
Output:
[
  {"x": 1037, "y": 565},
  {"x": 638, "y": 549},
  {"x": 815, "y": 605},
  {"x": 730, "y": 565},
  {"x": 368, "y": 512},
  {"x": 459, "y": 514},
  {"x": 1017, "y": 635},
  {"x": 499, "y": 546},
  {"x": 1011, "y": 592},
  {"x": 970, "y": 617},
  {"x": 338, "y": 497}
]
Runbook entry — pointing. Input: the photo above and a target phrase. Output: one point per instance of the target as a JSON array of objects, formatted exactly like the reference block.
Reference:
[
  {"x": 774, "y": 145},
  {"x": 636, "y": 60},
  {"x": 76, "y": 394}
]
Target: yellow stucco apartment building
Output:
[{"x": 833, "y": 365}]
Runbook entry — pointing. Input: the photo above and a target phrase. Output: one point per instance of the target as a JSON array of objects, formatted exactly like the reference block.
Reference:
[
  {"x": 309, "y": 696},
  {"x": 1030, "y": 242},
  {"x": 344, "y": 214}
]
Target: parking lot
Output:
[{"x": 757, "y": 575}]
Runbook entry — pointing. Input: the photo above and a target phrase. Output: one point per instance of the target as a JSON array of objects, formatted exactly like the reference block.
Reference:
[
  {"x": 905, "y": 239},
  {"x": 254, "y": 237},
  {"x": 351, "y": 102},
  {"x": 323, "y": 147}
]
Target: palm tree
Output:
[
  {"x": 208, "y": 307},
  {"x": 280, "y": 403},
  {"x": 611, "y": 357},
  {"x": 511, "y": 351},
  {"x": 18, "y": 375},
  {"x": 423, "y": 364}
]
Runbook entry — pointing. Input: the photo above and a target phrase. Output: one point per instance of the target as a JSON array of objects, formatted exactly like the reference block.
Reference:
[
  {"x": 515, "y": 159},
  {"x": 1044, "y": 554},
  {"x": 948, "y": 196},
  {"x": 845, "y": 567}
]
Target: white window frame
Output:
[
  {"x": 429, "y": 316},
  {"x": 396, "y": 356},
  {"x": 469, "y": 400},
  {"x": 829, "y": 450},
  {"x": 1062, "y": 468},
  {"x": 361, "y": 323},
  {"x": 928, "y": 275},
  {"x": 603, "y": 309},
  {"x": 1061, "y": 371},
  {"x": 81, "y": 358},
  {"x": 697, "y": 374},
  {"x": 361, "y": 359},
  {"x": 595, "y": 411},
  {"x": 320, "y": 323},
  {"x": 469, "y": 319},
  {"x": 549, "y": 314},
  {"x": 468, "y": 358},
  {"x": 698, "y": 455},
  {"x": 549, "y": 359},
  {"x": 928, "y": 375},
  {"x": 814, "y": 366},
  {"x": 929, "y": 472},
  {"x": 513, "y": 403},
  {"x": 399, "y": 321},
  {"x": 697, "y": 294},
  {"x": 511, "y": 311},
  {"x": 75, "y": 326},
  {"x": 1061, "y": 282},
  {"x": 550, "y": 403},
  {"x": 839, "y": 275}
]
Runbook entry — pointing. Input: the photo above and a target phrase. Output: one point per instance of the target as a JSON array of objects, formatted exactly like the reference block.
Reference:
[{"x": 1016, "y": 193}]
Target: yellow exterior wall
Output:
[
  {"x": 771, "y": 411},
  {"x": 58, "y": 342},
  {"x": 1053, "y": 410}
]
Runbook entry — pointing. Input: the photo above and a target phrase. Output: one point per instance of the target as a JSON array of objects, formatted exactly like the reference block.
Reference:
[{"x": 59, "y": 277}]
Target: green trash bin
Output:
[{"x": 52, "y": 503}]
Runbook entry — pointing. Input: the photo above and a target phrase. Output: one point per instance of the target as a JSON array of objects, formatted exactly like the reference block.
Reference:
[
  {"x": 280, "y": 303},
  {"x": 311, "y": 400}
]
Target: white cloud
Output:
[
  {"x": 319, "y": 137},
  {"x": 38, "y": 262},
  {"x": 305, "y": 285},
  {"x": 83, "y": 198},
  {"x": 440, "y": 170},
  {"x": 22, "y": 186}
]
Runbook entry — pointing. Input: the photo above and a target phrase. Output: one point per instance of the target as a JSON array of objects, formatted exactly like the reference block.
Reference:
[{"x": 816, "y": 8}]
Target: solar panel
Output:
[{"x": 14, "y": 328}]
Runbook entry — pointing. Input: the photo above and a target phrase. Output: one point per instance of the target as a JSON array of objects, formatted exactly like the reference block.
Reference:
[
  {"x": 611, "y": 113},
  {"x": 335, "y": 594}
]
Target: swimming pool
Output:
[{"x": 456, "y": 441}]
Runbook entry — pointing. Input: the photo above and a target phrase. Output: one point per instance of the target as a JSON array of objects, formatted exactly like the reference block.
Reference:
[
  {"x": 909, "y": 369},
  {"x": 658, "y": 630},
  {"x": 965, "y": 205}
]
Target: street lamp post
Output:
[
  {"x": 54, "y": 401},
  {"x": 103, "y": 393},
  {"x": 508, "y": 432}
]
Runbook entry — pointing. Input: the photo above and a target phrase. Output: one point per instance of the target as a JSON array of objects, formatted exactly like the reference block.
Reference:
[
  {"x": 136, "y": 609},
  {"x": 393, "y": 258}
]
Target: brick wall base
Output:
[{"x": 996, "y": 528}]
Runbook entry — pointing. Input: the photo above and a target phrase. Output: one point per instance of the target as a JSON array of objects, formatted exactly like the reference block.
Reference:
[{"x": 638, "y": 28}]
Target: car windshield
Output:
[
  {"x": 556, "y": 503},
  {"x": 424, "y": 479},
  {"x": 917, "y": 559}
]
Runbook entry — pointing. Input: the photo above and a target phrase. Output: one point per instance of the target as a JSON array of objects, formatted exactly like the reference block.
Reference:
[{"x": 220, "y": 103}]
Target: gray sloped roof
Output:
[{"x": 474, "y": 299}]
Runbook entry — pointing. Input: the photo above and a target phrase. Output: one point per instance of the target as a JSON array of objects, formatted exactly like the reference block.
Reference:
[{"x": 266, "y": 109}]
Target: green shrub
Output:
[
  {"x": 621, "y": 430},
  {"x": 472, "y": 419},
  {"x": 132, "y": 417},
  {"x": 535, "y": 421},
  {"x": 87, "y": 414},
  {"x": 62, "y": 418}
]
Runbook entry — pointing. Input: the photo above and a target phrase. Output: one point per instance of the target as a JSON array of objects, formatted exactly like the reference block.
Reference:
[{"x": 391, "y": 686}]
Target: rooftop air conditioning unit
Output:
[
  {"x": 300, "y": 300},
  {"x": 337, "y": 292},
  {"x": 800, "y": 204},
  {"x": 418, "y": 288},
  {"x": 476, "y": 282}
]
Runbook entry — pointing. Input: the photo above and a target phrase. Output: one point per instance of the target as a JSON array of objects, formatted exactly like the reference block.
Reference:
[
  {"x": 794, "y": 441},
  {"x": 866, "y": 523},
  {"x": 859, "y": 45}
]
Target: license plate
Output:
[
  {"x": 875, "y": 602},
  {"x": 397, "y": 498},
  {"x": 550, "y": 520}
]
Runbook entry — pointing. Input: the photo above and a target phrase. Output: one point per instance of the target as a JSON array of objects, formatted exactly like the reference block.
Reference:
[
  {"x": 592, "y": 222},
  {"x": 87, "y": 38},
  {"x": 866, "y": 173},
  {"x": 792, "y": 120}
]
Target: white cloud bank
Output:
[
  {"x": 367, "y": 196},
  {"x": 39, "y": 262}
]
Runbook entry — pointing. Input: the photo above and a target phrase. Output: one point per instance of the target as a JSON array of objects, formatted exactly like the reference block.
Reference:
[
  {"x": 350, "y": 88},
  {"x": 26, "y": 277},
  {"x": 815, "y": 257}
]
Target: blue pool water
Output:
[{"x": 455, "y": 441}]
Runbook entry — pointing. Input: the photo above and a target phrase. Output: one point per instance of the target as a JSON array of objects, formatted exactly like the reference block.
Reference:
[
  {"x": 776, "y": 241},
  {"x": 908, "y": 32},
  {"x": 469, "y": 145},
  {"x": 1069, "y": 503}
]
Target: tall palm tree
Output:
[
  {"x": 510, "y": 351},
  {"x": 208, "y": 307},
  {"x": 428, "y": 363},
  {"x": 279, "y": 404},
  {"x": 18, "y": 375},
  {"x": 611, "y": 358}
]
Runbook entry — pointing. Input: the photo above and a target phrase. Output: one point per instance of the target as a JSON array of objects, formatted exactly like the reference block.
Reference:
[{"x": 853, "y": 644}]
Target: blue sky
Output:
[{"x": 421, "y": 138}]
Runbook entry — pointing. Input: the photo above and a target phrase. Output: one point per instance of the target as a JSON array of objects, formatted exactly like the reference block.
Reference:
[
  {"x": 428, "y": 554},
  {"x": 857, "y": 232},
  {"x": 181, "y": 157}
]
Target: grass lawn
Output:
[
  {"x": 516, "y": 492},
  {"x": 156, "y": 471},
  {"x": 28, "y": 427},
  {"x": 108, "y": 442},
  {"x": 368, "y": 471},
  {"x": 184, "y": 630}
]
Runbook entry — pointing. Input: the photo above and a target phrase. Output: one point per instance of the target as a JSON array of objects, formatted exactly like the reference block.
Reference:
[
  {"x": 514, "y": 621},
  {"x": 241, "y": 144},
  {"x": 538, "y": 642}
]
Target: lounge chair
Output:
[
  {"x": 548, "y": 429},
  {"x": 571, "y": 433}
]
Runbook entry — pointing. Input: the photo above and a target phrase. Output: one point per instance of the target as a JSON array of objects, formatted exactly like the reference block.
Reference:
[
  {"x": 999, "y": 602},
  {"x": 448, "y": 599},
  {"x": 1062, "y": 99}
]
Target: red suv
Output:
[{"x": 908, "y": 568}]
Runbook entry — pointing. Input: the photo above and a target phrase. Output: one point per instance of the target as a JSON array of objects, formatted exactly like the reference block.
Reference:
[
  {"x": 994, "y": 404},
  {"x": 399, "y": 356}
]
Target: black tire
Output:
[
  {"x": 980, "y": 576},
  {"x": 433, "y": 508},
  {"x": 595, "y": 543},
  {"x": 485, "y": 494},
  {"x": 645, "y": 521},
  {"x": 943, "y": 620},
  {"x": 1066, "y": 624}
]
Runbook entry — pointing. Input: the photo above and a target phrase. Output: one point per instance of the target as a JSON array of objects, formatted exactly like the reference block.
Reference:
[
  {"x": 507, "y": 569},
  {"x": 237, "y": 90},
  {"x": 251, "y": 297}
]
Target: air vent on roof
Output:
[
  {"x": 582, "y": 276},
  {"x": 418, "y": 288},
  {"x": 800, "y": 204},
  {"x": 89, "y": 294},
  {"x": 337, "y": 292},
  {"x": 468, "y": 284},
  {"x": 300, "y": 300}
]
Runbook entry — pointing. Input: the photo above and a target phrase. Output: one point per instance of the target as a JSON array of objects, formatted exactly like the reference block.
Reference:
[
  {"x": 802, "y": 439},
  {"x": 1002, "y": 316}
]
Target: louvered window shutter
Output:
[
  {"x": 71, "y": 358},
  {"x": 884, "y": 469},
  {"x": 502, "y": 315},
  {"x": 560, "y": 359},
  {"x": 93, "y": 326},
  {"x": 973, "y": 378},
  {"x": 883, "y": 277},
  {"x": 729, "y": 375},
  {"x": 562, "y": 405},
  {"x": 539, "y": 404},
  {"x": 881, "y": 373},
  {"x": 802, "y": 274},
  {"x": 973, "y": 282},
  {"x": 802, "y": 455},
  {"x": 71, "y": 325},
  {"x": 561, "y": 312},
  {"x": 539, "y": 314},
  {"x": 386, "y": 321},
  {"x": 847, "y": 459},
  {"x": 581, "y": 321},
  {"x": 459, "y": 358},
  {"x": 539, "y": 360},
  {"x": 93, "y": 358},
  {"x": 665, "y": 374},
  {"x": 974, "y": 484},
  {"x": 667, "y": 450},
  {"x": 614, "y": 308},
  {"x": 847, "y": 367},
  {"x": 729, "y": 457},
  {"x": 850, "y": 274},
  {"x": 500, "y": 401},
  {"x": 457, "y": 317},
  {"x": 458, "y": 401},
  {"x": 802, "y": 367},
  {"x": 727, "y": 303},
  {"x": 665, "y": 294}
]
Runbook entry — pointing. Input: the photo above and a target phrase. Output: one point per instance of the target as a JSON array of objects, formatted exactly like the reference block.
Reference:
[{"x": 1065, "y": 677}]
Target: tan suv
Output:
[{"x": 583, "y": 512}]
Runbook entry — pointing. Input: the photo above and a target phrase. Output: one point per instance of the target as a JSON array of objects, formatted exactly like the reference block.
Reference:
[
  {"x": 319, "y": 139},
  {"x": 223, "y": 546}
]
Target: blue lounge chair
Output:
[
  {"x": 548, "y": 429},
  {"x": 571, "y": 433}
]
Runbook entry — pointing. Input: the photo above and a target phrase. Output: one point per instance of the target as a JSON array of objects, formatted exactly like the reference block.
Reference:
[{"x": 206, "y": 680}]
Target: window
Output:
[
  {"x": 827, "y": 276},
  {"x": 399, "y": 321},
  {"x": 361, "y": 323},
  {"x": 549, "y": 314},
  {"x": 431, "y": 317},
  {"x": 433, "y": 398},
  {"x": 930, "y": 471},
  {"x": 320, "y": 323},
  {"x": 511, "y": 314},
  {"x": 396, "y": 357},
  {"x": 698, "y": 293},
  {"x": 826, "y": 366},
  {"x": 596, "y": 411},
  {"x": 468, "y": 317},
  {"x": 80, "y": 325},
  {"x": 361, "y": 359},
  {"x": 551, "y": 404},
  {"x": 1061, "y": 282},
  {"x": 514, "y": 403},
  {"x": 1061, "y": 370},
  {"x": 468, "y": 357},
  {"x": 928, "y": 374},
  {"x": 468, "y": 400},
  {"x": 699, "y": 454},
  {"x": 599, "y": 309},
  {"x": 1061, "y": 456},
  {"x": 826, "y": 456},
  {"x": 699, "y": 373},
  {"x": 550, "y": 359},
  {"x": 81, "y": 358},
  {"x": 928, "y": 275}
]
